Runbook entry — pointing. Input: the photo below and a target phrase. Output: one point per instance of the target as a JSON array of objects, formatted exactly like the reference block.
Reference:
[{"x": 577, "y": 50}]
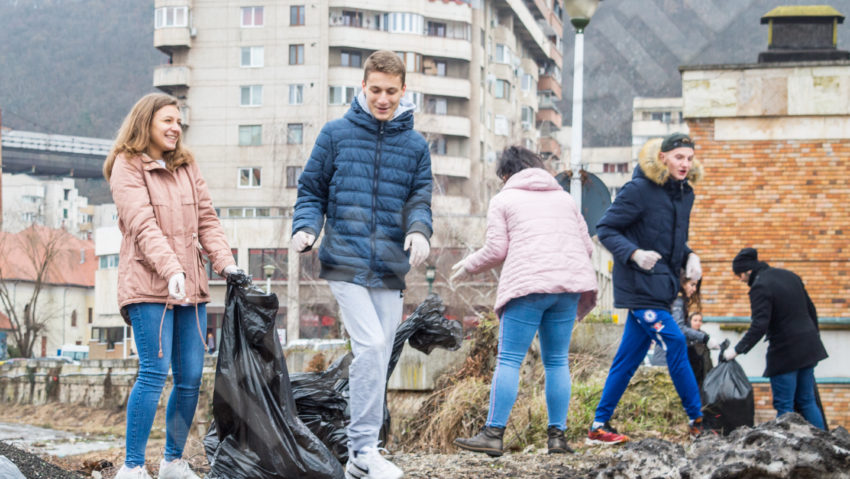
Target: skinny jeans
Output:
[{"x": 797, "y": 388}]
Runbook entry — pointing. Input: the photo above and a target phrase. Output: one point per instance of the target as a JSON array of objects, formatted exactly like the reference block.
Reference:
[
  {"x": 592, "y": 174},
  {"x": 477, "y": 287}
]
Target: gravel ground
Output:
[{"x": 33, "y": 467}]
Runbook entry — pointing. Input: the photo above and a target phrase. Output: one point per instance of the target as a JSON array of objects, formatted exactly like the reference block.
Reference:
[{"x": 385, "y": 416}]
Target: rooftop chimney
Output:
[{"x": 802, "y": 34}]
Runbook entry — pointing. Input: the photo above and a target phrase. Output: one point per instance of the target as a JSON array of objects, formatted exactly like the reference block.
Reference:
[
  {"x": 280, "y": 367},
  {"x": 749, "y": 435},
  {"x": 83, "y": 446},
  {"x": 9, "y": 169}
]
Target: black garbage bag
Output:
[
  {"x": 322, "y": 398},
  {"x": 727, "y": 396},
  {"x": 256, "y": 432}
]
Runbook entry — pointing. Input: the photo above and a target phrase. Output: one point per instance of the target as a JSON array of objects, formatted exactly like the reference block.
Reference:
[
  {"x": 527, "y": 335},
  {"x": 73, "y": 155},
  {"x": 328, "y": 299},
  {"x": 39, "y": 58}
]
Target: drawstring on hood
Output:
[{"x": 197, "y": 321}]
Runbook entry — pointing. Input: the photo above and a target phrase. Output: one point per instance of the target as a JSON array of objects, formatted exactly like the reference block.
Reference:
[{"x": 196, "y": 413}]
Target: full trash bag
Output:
[
  {"x": 727, "y": 396},
  {"x": 322, "y": 398},
  {"x": 256, "y": 432}
]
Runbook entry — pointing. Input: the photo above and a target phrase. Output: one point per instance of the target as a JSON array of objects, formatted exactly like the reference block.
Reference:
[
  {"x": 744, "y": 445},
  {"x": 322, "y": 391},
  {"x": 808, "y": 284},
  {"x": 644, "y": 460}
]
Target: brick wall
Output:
[
  {"x": 834, "y": 397},
  {"x": 790, "y": 199}
]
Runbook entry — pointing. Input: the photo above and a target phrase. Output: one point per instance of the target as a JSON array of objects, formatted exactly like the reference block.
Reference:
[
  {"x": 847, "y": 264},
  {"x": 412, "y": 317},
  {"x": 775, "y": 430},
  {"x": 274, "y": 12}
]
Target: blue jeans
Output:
[
  {"x": 183, "y": 351},
  {"x": 643, "y": 326},
  {"x": 553, "y": 315},
  {"x": 797, "y": 388}
]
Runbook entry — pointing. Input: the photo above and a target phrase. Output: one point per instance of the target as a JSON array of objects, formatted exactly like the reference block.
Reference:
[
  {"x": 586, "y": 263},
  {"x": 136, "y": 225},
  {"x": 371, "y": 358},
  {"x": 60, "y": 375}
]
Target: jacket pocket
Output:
[{"x": 656, "y": 284}]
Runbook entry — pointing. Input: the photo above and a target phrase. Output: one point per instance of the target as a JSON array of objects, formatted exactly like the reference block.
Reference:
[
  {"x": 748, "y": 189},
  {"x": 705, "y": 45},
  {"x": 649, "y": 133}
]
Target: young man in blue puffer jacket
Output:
[{"x": 368, "y": 181}]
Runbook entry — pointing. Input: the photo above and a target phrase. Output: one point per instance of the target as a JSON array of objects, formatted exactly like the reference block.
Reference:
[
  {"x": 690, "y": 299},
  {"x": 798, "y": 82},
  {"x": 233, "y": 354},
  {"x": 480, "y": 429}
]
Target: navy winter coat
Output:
[
  {"x": 651, "y": 212},
  {"x": 371, "y": 180}
]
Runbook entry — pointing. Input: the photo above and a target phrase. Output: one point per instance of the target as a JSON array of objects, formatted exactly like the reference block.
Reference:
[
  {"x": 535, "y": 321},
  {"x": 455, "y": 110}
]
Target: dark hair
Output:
[
  {"x": 515, "y": 159},
  {"x": 384, "y": 61},
  {"x": 694, "y": 303}
]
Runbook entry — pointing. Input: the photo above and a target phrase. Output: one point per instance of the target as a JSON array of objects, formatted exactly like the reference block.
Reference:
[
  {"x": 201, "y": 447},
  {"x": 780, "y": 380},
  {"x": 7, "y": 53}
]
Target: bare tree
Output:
[{"x": 28, "y": 257}]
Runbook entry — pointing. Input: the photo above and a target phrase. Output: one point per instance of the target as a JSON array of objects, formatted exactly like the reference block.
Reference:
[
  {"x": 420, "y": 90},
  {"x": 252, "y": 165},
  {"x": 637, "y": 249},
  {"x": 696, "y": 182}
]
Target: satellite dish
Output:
[{"x": 595, "y": 197}]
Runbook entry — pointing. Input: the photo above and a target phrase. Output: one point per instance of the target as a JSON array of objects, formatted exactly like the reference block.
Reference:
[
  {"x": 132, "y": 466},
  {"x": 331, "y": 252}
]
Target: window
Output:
[
  {"x": 250, "y": 135},
  {"x": 412, "y": 61},
  {"x": 615, "y": 168},
  {"x": 407, "y": 23},
  {"x": 252, "y": 57},
  {"x": 501, "y": 125},
  {"x": 249, "y": 178},
  {"x": 527, "y": 117},
  {"x": 503, "y": 54},
  {"x": 295, "y": 133},
  {"x": 208, "y": 264},
  {"x": 74, "y": 318},
  {"x": 251, "y": 95},
  {"x": 296, "y": 15},
  {"x": 292, "y": 174},
  {"x": 438, "y": 145},
  {"x": 341, "y": 95},
  {"x": 65, "y": 213},
  {"x": 91, "y": 315},
  {"x": 171, "y": 17},
  {"x": 502, "y": 89},
  {"x": 436, "y": 29},
  {"x": 252, "y": 16},
  {"x": 441, "y": 68},
  {"x": 662, "y": 116},
  {"x": 109, "y": 261},
  {"x": 351, "y": 59},
  {"x": 259, "y": 257},
  {"x": 437, "y": 106},
  {"x": 352, "y": 18},
  {"x": 296, "y": 94},
  {"x": 296, "y": 54},
  {"x": 66, "y": 193},
  {"x": 527, "y": 82}
]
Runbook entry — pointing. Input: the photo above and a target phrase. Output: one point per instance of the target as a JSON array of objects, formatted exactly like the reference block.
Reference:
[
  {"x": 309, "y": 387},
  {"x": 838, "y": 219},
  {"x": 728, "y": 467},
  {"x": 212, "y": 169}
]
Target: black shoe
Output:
[
  {"x": 557, "y": 442},
  {"x": 488, "y": 441}
]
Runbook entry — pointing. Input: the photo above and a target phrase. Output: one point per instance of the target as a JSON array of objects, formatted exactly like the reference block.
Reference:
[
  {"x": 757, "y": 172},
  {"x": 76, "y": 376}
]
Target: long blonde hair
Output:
[{"x": 134, "y": 136}]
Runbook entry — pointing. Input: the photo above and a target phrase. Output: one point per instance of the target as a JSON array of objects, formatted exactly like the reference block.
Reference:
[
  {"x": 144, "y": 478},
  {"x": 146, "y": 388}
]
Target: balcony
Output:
[
  {"x": 549, "y": 116},
  {"x": 547, "y": 102},
  {"x": 442, "y": 124},
  {"x": 170, "y": 77},
  {"x": 366, "y": 39},
  {"x": 549, "y": 83},
  {"x": 450, "y": 205},
  {"x": 170, "y": 38},
  {"x": 436, "y": 85},
  {"x": 550, "y": 147},
  {"x": 432, "y": 10},
  {"x": 456, "y": 166}
]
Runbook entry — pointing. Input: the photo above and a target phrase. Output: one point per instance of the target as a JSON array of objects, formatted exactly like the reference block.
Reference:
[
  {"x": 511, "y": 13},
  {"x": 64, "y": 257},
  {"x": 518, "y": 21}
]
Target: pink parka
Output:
[
  {"x": 167, "y": 221},
  {"x": 536, "y": 230}
]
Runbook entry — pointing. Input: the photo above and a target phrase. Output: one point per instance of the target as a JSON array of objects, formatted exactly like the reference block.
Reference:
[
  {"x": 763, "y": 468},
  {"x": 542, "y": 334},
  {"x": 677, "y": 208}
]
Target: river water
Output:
[{"x": 51, "y": 441}]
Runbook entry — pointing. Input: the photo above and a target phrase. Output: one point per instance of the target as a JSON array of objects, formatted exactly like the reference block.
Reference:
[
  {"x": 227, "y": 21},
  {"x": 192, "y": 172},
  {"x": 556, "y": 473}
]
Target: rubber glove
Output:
[
  {"x": 418, "y": 246},
  {"x": 177, "y": 286},
  {"x": 729, "y": 354},
  {"x": 693, "y": 268},
  {"x": 712, "y": 344},
  {"x": 646, "y": 259},
  {"x": 458, "y": 270},
  {"x": 230, "y": 269},
  {"x": 301, "y": 241}
]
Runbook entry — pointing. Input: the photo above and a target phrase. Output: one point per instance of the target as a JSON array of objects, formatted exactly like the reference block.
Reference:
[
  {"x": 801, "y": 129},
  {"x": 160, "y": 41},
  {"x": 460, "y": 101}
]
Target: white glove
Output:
[
  {"x": 729, "y": 354},
  {"x": 712, "y": 344},
  {"x": 458, "y": 270},
  {"x": 177, "y": 286},
  {"x": 301, "y": 240},
  {"x": 419, "y": 248},
  {"x": 646, "y": 259},
  {"x": 693, "y": 268},
  {"x": 230, "y": 269}
]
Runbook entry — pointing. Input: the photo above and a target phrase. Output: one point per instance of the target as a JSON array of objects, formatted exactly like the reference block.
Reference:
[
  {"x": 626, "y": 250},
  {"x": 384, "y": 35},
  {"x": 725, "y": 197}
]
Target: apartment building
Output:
[
  {"x": 258, "y": 79},
  {"x": 54, "y": 203}
]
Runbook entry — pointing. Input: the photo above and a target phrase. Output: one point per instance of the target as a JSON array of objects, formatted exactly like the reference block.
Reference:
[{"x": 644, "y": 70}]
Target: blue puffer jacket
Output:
[
  {"x": 372, "y": 181},
  {"x": 651, "y": 212}
]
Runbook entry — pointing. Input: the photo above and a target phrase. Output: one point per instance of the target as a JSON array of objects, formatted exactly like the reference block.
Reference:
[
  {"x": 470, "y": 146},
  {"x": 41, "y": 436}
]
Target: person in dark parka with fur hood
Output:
[{"x": 783, "y": 311}]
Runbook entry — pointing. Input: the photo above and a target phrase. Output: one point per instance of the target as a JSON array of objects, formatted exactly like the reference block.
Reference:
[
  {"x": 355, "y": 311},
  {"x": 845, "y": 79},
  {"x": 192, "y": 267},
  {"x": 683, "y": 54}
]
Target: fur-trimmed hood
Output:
[{"x": 656, "y": 171}]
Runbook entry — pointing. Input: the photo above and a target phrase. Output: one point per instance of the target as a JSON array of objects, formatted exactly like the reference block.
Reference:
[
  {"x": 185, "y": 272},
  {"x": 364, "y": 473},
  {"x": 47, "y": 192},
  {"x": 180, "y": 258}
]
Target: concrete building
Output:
[
  {"x": 54, "y": 203},
  {"x": 258, "y": 81},
  {"x": 110, "y": 337}
]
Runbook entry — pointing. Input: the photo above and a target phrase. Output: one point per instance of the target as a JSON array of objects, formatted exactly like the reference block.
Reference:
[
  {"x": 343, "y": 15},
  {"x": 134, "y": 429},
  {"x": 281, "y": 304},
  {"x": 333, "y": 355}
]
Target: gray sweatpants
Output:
[{"x": 371, "y": 317}]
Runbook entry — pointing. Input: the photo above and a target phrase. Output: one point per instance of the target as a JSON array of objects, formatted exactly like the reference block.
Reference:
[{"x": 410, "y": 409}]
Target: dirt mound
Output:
[{"x": 785, "y": 448}]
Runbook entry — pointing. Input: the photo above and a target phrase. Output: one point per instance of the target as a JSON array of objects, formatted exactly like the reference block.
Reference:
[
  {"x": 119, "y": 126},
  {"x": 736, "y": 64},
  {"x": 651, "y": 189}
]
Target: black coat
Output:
[{"x": 782, "y": 310}]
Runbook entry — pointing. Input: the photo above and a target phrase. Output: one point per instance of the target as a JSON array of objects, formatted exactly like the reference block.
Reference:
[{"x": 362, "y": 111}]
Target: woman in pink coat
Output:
[{"x": 535, "y": 231}]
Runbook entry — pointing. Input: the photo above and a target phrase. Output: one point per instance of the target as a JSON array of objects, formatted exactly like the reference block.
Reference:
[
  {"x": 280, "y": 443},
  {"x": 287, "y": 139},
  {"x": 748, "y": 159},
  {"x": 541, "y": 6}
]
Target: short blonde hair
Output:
[
  {"x": 384, "y": 61},
  {"x": 134, "y": 136}
]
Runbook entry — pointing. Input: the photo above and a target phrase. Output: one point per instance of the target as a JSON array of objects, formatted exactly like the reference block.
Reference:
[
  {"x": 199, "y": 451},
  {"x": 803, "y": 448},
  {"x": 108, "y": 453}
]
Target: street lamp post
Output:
[
  {"x": 268, "y": 271},
  {"x": 580, "y": 12},
  {"x": 430, "y": 275}
]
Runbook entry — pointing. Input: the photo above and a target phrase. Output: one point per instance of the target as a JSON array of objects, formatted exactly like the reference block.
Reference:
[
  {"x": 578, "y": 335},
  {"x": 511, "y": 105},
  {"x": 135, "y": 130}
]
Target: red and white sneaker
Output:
[{"x": 605, "y": 435}]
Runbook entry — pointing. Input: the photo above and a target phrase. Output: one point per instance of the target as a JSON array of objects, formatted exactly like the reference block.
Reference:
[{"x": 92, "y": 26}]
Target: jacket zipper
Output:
[{"x": 372, "y": 265}]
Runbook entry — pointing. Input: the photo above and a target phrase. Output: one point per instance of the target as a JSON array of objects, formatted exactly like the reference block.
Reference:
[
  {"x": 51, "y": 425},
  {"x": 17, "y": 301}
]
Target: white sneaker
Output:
[
  {"x": 137, "y": 472},
  {"x": 176, "y": 469},
  {"x": 370, "y": 464}
]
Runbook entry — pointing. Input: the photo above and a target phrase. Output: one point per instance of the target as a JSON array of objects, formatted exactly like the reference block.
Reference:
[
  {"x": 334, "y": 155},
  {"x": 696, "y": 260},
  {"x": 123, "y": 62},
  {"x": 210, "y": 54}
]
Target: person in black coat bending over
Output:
[{"x": 782, "y": 310}]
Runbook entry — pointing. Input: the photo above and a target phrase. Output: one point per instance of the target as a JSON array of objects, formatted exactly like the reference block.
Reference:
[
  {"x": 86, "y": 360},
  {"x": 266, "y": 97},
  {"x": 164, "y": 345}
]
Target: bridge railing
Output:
[{"x": 62, "y": 143}]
